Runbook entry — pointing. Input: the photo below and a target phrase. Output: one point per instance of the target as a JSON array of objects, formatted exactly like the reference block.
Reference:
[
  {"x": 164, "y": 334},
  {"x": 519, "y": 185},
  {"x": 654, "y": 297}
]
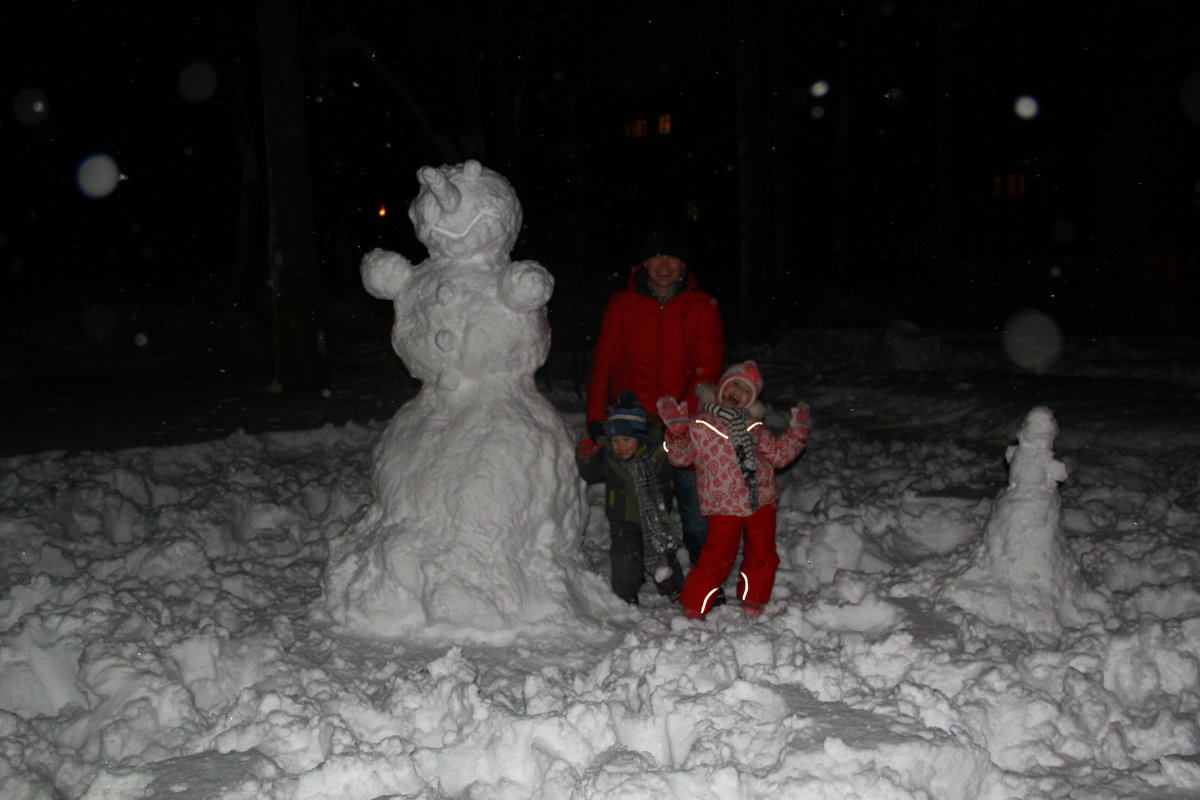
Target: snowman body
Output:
[{"x": 478, "y": 507}]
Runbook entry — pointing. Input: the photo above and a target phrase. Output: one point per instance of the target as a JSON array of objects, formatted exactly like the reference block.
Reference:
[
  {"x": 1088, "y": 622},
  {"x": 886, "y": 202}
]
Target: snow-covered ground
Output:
[{"x": 156, "y": 639}]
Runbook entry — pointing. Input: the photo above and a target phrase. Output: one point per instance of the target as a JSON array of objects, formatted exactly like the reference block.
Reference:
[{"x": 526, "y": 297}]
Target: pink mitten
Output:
[
  {"x": 674, "y": 415},
  {"x": 799, "y": 416}
]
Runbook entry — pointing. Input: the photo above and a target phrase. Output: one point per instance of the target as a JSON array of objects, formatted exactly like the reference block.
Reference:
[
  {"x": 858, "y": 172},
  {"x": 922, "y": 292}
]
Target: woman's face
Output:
[{"x": 663, "y": 272}]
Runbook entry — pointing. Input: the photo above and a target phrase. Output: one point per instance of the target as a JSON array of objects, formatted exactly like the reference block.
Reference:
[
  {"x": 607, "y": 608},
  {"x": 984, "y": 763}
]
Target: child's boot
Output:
[
  {"x": 691, "y": 613},
  {"x": 751, "y": 607}
]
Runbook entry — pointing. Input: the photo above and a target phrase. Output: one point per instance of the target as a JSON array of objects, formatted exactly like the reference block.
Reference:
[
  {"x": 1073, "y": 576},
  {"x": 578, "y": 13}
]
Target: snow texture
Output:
[
  {"x": 478, "y": 509},
  {"x": 157, "y": 640}
]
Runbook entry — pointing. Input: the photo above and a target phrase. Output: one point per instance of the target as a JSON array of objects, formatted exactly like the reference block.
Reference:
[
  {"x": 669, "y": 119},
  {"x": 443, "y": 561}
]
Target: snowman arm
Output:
[
  {"x": 525, "y": 286},
  {"x": 384, "y": 273}
]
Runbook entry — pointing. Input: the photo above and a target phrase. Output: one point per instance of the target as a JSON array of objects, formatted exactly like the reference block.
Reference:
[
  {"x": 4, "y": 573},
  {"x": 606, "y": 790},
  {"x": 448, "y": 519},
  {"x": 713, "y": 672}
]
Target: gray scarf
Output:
[
  {"x": 657, "y": 538},
  {"x": 743, "y": 447}
]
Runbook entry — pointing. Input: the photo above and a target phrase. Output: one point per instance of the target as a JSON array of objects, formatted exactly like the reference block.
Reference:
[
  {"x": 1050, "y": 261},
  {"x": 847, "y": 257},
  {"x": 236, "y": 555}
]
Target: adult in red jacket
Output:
[{"x": 661, "y": 336}]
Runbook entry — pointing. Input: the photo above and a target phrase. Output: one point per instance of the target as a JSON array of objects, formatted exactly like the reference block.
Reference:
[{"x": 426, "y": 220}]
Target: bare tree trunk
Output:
[
  {"x": 245, "y": 289},
  {"x": 298, "y": 331},
  {"x": 446, "y": 148},
  {"x": 944, "y": 210},
  {"x": 753, "y": 170}
]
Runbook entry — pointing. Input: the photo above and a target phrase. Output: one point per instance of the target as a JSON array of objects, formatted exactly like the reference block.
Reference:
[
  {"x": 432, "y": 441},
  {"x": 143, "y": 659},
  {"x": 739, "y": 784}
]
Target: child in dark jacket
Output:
[
  {"x": 637, "y": 479},
  {"x": 736, "y": 457}
]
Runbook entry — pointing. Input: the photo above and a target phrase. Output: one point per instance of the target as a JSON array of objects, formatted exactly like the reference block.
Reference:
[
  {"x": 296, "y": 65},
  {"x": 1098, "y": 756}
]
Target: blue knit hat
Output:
[{"x": 627, "y": 418}]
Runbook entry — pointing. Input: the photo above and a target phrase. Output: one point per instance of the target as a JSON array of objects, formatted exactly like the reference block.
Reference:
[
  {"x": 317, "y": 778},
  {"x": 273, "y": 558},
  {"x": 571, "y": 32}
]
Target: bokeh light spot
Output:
[
  {"x": 1033, "y": 340},
  {"x": 1026, "y": 107},
  {"x": 819, "y": 88},
  {"x": 30, "y": 106},
  {"x": 97, "y": 175},
  {"x": 197, "y": 82}
]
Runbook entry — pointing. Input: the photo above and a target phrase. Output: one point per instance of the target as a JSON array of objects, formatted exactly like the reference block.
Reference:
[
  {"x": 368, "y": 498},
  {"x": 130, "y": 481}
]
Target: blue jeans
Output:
[{"x": 695, "y": 526}]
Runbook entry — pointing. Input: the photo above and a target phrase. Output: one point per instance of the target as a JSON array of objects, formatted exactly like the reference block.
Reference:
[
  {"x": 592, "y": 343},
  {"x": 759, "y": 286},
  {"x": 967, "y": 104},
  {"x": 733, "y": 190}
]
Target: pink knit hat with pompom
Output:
[{"x": 746, "y": 372}]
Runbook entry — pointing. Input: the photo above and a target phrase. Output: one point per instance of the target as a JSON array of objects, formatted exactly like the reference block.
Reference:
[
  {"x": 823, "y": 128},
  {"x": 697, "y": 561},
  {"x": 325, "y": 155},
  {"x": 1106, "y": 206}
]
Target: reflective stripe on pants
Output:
[{"x": 759, "y": 559}]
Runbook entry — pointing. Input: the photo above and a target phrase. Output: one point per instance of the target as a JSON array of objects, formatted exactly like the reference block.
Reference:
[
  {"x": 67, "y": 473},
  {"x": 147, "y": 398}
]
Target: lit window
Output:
[
  {"x": 664, "y": 123},
  {"x": 1009, "y": 186},
  {"x": 636, "y": 129}
]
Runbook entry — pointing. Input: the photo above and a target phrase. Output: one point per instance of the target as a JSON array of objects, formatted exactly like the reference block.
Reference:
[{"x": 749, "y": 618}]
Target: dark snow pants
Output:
[
  {"x": 627, "y": 556},
  {"x": 695, "y": 526}
]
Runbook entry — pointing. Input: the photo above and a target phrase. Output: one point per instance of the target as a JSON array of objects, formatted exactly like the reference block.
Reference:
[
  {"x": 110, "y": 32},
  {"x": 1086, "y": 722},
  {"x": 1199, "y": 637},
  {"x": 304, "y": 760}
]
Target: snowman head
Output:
[{"x": 465, "y": 210}]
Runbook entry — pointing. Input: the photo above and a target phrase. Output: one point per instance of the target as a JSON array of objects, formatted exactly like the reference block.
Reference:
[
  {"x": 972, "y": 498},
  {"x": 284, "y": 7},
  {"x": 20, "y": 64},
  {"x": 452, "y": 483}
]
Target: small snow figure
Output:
[
  {"x": 478, "y": 509},
  {"x": 1023, "y": 575}
]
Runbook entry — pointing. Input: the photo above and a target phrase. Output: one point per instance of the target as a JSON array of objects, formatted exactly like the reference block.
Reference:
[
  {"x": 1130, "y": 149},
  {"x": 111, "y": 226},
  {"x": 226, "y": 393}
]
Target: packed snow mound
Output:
[
  {"x": 474, "y": 534},
  {"x": 1024, "y": 576},
  {"x": 478, "y": 509}
]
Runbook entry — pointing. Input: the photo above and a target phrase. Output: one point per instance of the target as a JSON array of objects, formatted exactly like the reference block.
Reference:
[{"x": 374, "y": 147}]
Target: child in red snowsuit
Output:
[{"x": 736, "y": 457}]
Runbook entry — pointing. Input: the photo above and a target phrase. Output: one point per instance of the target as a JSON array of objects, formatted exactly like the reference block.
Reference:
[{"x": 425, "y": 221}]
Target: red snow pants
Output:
[{"x": 759, "y": 559}]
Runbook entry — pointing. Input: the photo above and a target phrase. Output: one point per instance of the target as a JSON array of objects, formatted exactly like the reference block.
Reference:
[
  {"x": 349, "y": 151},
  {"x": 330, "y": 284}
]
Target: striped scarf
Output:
[{"x": 743, "y": 446}]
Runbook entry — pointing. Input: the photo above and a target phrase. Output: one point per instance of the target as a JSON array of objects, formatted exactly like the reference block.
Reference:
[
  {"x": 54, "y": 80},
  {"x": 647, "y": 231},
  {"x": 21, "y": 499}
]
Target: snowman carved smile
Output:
[{"x": 466, "y": 230}]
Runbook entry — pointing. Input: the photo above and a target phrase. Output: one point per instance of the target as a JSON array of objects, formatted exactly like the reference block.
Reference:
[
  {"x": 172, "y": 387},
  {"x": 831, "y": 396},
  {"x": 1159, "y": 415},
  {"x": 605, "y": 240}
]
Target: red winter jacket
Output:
[
  {"x": 719, "y": 482},
  {"x": 655, "y": 348}
]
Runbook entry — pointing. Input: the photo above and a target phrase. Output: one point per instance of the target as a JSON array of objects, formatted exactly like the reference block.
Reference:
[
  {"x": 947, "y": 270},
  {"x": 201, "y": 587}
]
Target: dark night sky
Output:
[{"x": 887, "y": 196}]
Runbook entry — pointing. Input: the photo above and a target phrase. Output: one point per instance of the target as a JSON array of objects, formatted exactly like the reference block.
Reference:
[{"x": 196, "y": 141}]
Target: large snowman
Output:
[{"x": 478, "y": 507}]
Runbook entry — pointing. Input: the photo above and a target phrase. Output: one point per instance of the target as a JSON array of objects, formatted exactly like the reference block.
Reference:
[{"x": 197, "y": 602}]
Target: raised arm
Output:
[
  {"x": 589, "y": 458},
  {"x": 678, "y": 432},
  {"x": 781, "y": 449}
]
